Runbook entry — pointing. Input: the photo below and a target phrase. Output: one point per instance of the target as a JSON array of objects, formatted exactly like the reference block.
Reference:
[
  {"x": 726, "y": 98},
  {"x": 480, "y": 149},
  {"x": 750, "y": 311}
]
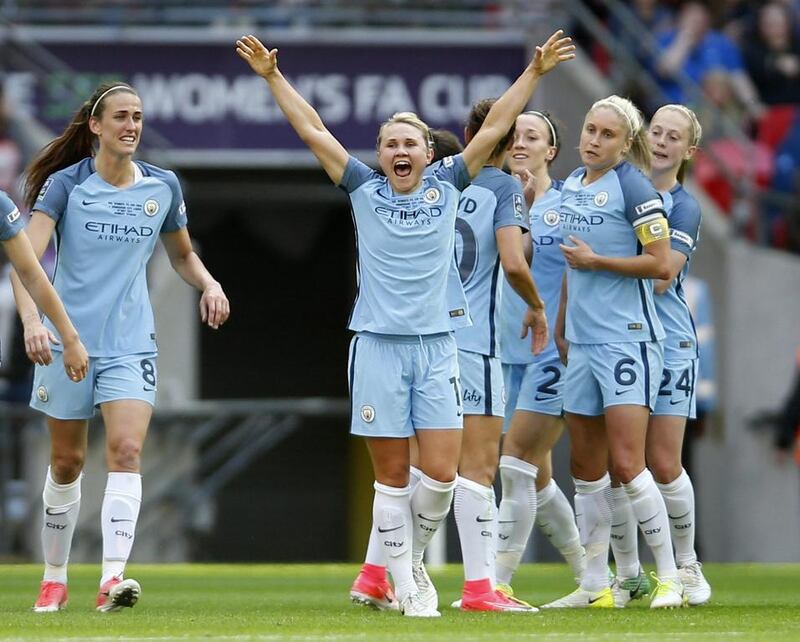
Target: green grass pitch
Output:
[{"x": 309, "y": 602}]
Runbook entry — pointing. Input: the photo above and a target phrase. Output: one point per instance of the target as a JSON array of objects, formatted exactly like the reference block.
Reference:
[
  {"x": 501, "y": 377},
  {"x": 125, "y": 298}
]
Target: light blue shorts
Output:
[
  {"x": 482, "y": 387},
  {"x": 600, "y": 375},
  {"x": 535, "y": 387},
  {"x": 399, "y": 384},
  {"x": 131, "y": 376},
  {"x": 677, "y": 395}
]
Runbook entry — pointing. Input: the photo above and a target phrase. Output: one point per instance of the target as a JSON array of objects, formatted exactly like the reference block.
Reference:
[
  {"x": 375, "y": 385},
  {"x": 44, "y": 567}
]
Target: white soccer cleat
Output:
[
  {"x": 668, "y": 594},
  {"x": 698, "y": 590},
  {"x": 414, "y": 605},
  {"x": 582, "y": 599},
  {"x": 427, "y": 591},
  {"x": 117, "y": 594}
]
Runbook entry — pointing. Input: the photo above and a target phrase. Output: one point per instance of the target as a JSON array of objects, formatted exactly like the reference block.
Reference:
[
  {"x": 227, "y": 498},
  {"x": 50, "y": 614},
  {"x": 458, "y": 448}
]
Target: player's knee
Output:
[
  {"x": 624, "y": 468},
  {"x": 664, "y": 469},
  {"x": 66, "y": 465},
  {"x": 125, "y": 455}
]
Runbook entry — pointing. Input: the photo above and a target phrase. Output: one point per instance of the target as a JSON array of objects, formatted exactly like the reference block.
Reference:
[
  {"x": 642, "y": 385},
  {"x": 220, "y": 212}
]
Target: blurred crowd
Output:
[{"x": 737, "y": 63}]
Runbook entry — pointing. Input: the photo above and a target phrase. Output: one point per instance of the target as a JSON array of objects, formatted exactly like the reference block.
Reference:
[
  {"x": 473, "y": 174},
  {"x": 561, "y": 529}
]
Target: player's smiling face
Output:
[
  {"x": 669, "y": 138},
  {"x": 403, "y": 155},
  {"x": 119, "y": 125},
  {"x": 604, "y": 139},
  {"x": 530, "y": 147}
]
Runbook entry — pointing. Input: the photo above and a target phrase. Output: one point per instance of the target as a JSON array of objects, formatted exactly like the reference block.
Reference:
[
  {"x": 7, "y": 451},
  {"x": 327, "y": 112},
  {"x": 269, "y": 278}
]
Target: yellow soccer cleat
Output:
[{"x": 582, "y": 599}]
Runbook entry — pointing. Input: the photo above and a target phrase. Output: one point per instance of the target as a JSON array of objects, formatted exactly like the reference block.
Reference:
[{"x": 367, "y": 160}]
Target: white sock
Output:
[
  {"x": 679, "y": 499},
  {"x": 430, "y": 504},
  {"x": 376, "y": 554},
  {"x": 651, "y": 513},
  {"x": 493, "y": 546},
  {"x": 62, "y": 504},
  {"x": 475, "y": 516},
  {"x": 624, "y": 535},
  {"x": 593, "y": 514},
  {"x": 516, "y": 515},
  {"x": 118, "y": 517},
  {"x": 556, "y": 519},
  {"x": 391, "y": 516}
]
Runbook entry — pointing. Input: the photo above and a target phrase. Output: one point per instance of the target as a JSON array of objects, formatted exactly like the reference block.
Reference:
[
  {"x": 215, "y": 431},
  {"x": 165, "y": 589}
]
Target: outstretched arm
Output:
[
  {"x": 303, "y": 117},
  {"x": 31, "y": 288},
  {"x": 505, "y": 111},
  {"x": 214, "y": 306}
]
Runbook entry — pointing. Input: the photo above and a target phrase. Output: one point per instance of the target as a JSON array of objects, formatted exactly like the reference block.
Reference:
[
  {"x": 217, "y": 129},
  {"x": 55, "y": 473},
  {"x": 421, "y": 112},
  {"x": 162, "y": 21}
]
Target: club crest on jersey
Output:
[
  {"x": 431, "y": 195},
  {"x": 550, "y": 217},
  {"x": 151, "y": 207},
  {"x": 367, "y": 413},
  {"x": 13, "y": 215},
  {"x": 601, "y": 198},
  {"x": 41, "y": 394},
  {"x": 519, "y": 208}
]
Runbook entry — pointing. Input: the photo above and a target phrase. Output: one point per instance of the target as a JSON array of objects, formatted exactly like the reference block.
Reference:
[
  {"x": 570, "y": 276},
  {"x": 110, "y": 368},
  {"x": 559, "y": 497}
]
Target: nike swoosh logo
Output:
[
  {"x": 387, "y": 530},
  {"x": 428, "y": 519},
  {"x": 114, "y": 520},
  {"x": 618, "y": 525},
  {"x": 649, "y": 519},
  {"x": 595, "y": 599},
  {"x": 507, "y": 521},
  {"x": 675, "y": 403},
  {"x": 60, "y": 511},
  {"x": 490, "y": 519},
  {"x": 146, "y": 389},
  {"x": 679, "y": 516},
  {"x": 545, "y": 398},
  {"x": 621, "y": 392},
  {"x": 90, "y": 202}
]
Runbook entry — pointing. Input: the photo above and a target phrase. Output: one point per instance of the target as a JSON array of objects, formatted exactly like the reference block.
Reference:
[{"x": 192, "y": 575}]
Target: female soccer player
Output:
[
  {"x": 616, "y": 240},
  {"x": 534, "y": 384},
  {"x": 673, "y": 136},
  {"x": 108, "y": 210},
  {"x": 23, "y": 259},
  {"x": 403, "y": 366},
  {"x": 491, "y": 219}
]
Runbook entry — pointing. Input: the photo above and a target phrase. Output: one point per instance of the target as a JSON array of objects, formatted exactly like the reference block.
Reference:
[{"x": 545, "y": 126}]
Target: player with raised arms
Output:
[
  {"x": 107, "y": 211},
  {"x": 403, "y": 368}
]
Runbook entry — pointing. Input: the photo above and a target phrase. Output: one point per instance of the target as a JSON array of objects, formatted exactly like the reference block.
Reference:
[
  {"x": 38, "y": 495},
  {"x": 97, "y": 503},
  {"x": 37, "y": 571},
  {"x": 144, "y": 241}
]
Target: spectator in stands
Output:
[
  {"x": 772, "y": 56},
  {"x": 10, "y": 154},
  {"x": 692, "y": 49}
]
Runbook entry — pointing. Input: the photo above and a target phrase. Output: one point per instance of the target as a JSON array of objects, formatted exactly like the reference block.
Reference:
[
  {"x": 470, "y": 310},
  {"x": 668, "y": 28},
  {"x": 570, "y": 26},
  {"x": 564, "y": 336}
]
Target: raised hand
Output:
[
  {"x": 261, "y": 60},
  {"x": 557, "y": 49},
  {"x": 528, "y": 181}
]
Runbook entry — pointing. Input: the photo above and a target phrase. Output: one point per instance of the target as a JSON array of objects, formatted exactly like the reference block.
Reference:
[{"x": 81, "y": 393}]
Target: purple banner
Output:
[{"x": 203, "y": 97}]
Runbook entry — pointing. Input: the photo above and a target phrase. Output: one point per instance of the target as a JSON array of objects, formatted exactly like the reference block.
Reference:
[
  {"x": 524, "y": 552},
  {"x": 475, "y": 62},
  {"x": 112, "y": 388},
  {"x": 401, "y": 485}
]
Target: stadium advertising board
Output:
[{"x": 208, "y": 107}]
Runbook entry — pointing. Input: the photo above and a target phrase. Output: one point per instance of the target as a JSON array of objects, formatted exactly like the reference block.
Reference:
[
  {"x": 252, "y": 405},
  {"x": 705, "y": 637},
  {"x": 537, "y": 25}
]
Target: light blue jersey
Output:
[
  {"x": 671, "y": 306},
  {"x": 605, "y": 307},
  {"x": 493, "y": 200},
  {"x": 104, "y": 237},
  {"x": 547, "y": 267},
  {"x": 405, "y": 251},
  {"x": 11, "y": 222}
]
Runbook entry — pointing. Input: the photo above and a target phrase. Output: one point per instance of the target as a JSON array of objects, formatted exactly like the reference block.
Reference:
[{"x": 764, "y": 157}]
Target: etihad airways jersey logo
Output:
[
  {"x": 13, "y": 215},
  {"x": 409, "y": 217},
  {"x": 118, "y": 232}
]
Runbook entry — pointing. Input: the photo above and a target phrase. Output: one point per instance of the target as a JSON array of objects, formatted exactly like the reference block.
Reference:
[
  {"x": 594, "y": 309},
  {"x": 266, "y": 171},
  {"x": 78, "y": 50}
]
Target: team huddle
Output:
[{"x": 489, "y": 306}]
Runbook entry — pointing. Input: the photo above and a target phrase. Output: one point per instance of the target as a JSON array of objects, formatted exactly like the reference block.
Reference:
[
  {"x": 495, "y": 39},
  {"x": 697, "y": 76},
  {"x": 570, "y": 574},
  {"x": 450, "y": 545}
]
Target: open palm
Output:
[
  {"x": 557, "y": 49},
  {"x": 261, "y": 60}
]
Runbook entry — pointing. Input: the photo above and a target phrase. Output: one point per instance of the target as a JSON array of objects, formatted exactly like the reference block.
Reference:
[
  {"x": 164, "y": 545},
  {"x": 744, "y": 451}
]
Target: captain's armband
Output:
[{"x": 650, "y": 229}]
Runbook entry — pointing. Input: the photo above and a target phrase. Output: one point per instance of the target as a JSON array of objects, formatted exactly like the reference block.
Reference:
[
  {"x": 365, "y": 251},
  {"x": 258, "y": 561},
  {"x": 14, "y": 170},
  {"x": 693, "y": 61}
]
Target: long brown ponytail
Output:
[{"x": 74, "y": 144}]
